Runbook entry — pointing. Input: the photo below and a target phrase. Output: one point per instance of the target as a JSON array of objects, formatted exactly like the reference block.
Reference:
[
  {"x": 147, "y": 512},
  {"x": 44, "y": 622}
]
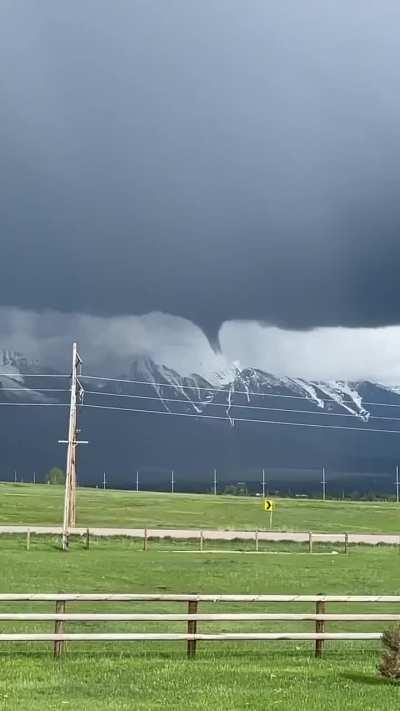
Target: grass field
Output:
[
  {"x": 43, "y": 504},
  {"x": 228, "y": 675}
]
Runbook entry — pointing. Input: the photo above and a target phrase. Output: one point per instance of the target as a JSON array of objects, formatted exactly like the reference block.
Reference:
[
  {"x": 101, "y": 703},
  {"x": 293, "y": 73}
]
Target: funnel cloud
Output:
[{"x": 219, "y": 161}]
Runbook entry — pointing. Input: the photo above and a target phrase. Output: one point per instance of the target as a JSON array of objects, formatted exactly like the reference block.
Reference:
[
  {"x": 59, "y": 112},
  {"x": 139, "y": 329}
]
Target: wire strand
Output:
[
  {"x": 33, "y": 375},
  {"x": 229, "y": 406},
  {"x": 35, "y": 404},
  {"x": 199, "y": 387},
  {"x": 235, "y": 392},
  {"x": 35, "y": 390},
  {"x": 239, "y": 419}
]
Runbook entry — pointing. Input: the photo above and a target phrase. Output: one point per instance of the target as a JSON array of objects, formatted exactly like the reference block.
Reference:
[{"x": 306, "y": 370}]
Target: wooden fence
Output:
[
  {"x": 319, "y": 618},
  {"x": 201, "y": 537}
]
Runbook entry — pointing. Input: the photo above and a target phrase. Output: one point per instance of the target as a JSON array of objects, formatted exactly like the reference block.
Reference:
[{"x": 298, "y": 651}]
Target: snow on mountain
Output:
[
  {"x": 345, "y": 395},
  {"x": 229, "y": 392},
  {"x": 250, "y": 389},
  {"x": 15, "y": 383},
  {"x": 11, "y": 364},
  {"x": 169, "y": 385}
]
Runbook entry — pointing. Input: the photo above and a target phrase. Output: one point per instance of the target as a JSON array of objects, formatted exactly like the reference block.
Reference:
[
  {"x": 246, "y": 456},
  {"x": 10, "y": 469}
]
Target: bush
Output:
[
  {"x": 390, "y": 664},
  {"x": 56, "y": 476}
]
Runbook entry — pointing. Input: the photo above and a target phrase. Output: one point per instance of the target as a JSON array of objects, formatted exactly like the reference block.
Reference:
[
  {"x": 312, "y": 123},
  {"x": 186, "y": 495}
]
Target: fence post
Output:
[
  {"x": 201, "y": 540},
  {"x": 320, "y": 609},
  {"x": 192, "y": 628},
  {"x": 59, "y": 629},
  {"x": 28, "y": 539},
  {"x": 346, "y": 542},
  {"x": 145, "y": 540},
  {"x": 256, "y": 539},
  {"x": 310, "y": 542},
  {"x": 87, "y": 539}
]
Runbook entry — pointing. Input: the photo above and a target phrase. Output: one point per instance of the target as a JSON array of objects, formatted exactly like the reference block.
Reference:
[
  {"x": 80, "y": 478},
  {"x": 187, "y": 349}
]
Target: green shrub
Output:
[{"x": 390, "y": 664}]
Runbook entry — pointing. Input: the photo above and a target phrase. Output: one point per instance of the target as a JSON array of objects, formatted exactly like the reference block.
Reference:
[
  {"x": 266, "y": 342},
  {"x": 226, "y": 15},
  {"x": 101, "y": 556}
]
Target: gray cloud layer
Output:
[
  {"x": 218, "y": 160},
  {"x": 109, "y": 345}
]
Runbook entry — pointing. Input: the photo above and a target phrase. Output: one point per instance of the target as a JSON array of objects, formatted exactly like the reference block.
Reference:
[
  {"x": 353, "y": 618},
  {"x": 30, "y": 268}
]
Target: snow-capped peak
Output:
[
  {"x": 15, "y": 383},
  {"x": 251, "y": 388}
]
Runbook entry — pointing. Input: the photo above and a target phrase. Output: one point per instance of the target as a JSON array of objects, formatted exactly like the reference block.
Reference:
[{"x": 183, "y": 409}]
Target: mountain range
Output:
[{"x": 237, "y": 421}]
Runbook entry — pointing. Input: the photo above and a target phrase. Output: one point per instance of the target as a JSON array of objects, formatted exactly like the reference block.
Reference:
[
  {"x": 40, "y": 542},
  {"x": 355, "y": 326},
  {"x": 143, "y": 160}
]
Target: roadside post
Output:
[{"x": 269, "y": 506}]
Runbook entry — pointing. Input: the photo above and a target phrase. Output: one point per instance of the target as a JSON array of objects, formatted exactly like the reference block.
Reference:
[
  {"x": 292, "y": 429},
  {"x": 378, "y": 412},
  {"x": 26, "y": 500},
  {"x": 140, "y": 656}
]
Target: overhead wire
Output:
[
  {"x": 35, "y": 404},
  {"x": 195, "y": 387},
  {"x": 35, "y": 390},
  {"x": 13, "y": 376},
  {"x": 229, "y": 406},
  {"x": 236, "y": 392},
  {"x": 239, "y": 419},
  {"x": 210, "y": 388}
]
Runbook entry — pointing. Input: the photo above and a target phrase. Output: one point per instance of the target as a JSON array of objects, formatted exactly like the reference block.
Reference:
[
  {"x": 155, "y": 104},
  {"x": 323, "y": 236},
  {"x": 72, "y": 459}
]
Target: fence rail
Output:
[
  {"x": 213, "y": 617},
  {"x": 204, "y": 535},
  {"x": 60, "y": 617},
  {"x": 172, "y": 597},
  {"x": 160, "y": 636}
]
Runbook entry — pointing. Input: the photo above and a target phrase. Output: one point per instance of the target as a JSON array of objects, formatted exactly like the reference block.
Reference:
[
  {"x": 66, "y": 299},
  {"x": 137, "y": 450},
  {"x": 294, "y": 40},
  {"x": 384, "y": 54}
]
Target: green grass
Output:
[
  {"x": 224, "y": 676},
  {"x": 42, "y": 504}
]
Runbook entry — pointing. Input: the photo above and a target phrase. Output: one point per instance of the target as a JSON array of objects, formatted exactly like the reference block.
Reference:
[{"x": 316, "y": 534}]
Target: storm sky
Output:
[{"x": 216, "y": 160}]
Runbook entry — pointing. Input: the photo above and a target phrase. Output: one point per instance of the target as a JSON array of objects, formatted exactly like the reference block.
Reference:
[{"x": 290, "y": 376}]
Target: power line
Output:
[
  {"x": 36, "y": 390},
  {"x": 34, "y": 404},
  {"x": 188, "y": 387},
  {"x": 228, "y": 406},
  {"x": 240, "y": 419},
  {"x": 198, "y": 387},
  {"x": 13, "y": 376},
  {"x": 206, "y": 389},
  {"x": 234, "y": 392}
]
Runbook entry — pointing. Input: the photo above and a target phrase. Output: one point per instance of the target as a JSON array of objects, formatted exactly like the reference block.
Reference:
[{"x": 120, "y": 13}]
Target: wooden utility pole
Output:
[{"x": 72, "y": 442}]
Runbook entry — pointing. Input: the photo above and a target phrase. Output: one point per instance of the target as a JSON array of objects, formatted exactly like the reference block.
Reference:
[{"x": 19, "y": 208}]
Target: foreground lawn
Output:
[
  {"x": 249, "y": 680},
  {"x": 224, "y": 675},
  {"x": 43, "y": 504}
]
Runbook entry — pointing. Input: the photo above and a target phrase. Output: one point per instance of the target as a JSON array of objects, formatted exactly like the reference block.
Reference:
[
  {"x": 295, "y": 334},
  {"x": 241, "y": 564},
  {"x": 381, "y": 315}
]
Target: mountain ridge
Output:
[{"x": 238, "y": 425}]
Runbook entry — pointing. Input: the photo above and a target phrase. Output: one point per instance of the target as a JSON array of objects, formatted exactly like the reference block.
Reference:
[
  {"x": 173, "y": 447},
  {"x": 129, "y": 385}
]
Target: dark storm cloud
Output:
[{"x": 216, "y": 160}]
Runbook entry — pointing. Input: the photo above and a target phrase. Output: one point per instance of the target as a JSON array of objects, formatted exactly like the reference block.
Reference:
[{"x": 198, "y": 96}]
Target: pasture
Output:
[
  {"x": 224, "y": 675},
  {"x": 157, "y": 675},
  {"x": 43, "y": 504}
]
